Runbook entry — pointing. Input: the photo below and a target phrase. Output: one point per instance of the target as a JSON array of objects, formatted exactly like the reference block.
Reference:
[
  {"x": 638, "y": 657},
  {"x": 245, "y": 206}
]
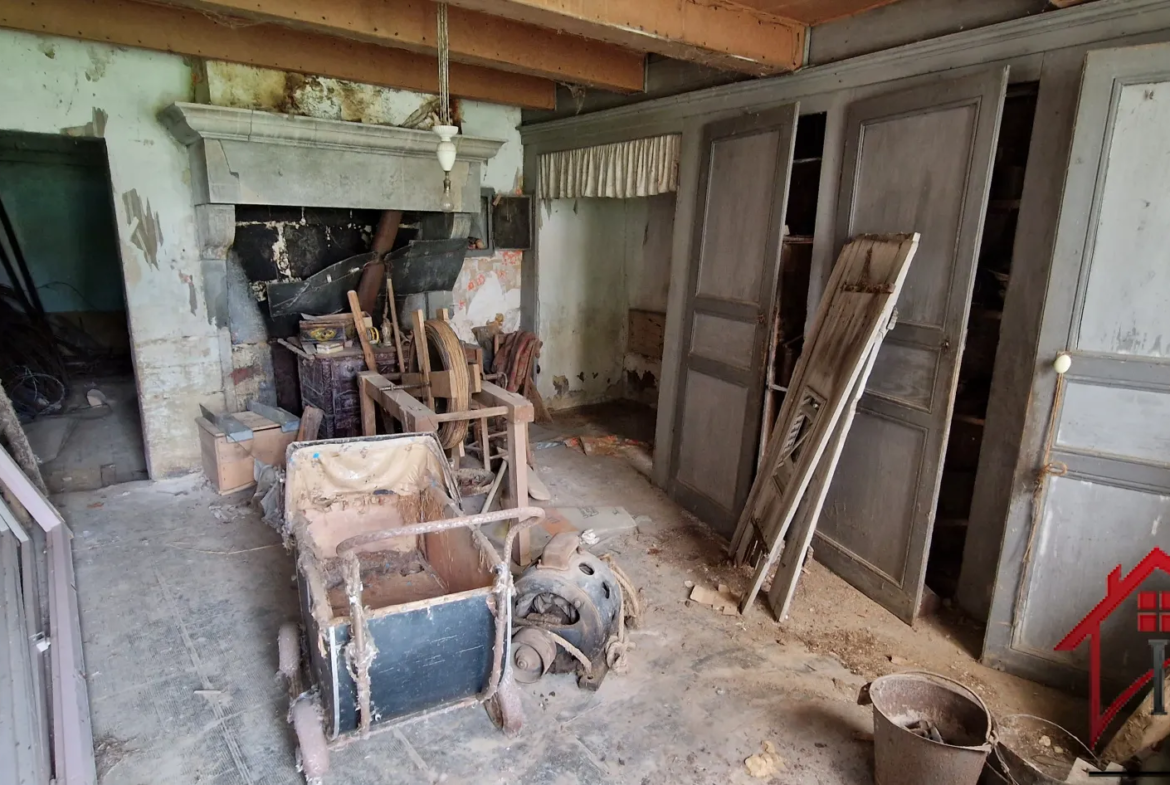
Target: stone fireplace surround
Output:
[{"x": 243, "y": 156}]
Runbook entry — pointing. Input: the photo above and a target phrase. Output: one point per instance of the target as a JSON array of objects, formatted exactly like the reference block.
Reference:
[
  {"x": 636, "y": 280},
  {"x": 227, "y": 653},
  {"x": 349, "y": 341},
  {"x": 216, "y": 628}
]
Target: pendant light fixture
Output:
[{"x": 445, "y": 129}]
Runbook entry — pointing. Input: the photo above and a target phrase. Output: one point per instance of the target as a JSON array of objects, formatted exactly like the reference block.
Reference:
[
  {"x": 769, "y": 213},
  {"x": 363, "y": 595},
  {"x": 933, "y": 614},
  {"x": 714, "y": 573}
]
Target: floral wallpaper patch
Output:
[{"x": 487, "y": 290}]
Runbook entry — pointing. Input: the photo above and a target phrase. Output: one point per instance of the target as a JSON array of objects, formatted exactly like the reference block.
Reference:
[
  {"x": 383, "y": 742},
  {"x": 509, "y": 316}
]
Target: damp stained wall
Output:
[
  {"x": 60, "y": 207},
  {"x": 598, "y": 259},
  {"x": 56, "y": 85},
  {"x": 647, "y": 285}
]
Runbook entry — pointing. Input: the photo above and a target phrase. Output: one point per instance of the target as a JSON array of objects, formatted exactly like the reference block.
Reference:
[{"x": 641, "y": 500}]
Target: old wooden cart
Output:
[{"x": 405, "y": 604}]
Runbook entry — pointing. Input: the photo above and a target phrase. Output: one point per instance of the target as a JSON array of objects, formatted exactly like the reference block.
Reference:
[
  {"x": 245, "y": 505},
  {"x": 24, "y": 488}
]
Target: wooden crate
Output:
[{"x": 229, "y": 465}]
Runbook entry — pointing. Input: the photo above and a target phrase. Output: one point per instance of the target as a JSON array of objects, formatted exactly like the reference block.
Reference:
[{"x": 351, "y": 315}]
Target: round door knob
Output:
[{"x": 1062, "y": 363}]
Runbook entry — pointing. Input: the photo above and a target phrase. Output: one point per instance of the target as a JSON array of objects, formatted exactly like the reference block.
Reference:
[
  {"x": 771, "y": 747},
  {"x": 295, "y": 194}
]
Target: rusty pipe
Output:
[{"x": 524, "y": 514}]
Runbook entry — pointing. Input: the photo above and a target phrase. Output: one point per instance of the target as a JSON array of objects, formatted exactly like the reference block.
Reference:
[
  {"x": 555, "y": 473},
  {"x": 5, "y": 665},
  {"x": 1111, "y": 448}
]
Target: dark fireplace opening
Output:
[{"x": 275, "y": 245}]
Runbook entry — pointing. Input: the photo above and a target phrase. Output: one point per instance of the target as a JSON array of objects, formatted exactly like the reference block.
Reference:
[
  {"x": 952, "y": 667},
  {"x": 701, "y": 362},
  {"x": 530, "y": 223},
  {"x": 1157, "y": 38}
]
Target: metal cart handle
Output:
[{"x": 529, "y": 516}]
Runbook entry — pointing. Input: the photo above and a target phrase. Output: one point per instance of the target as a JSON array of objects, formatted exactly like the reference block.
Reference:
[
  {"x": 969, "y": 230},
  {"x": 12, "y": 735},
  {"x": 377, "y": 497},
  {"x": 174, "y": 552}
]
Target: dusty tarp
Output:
[{"x": 642, "y": 167}]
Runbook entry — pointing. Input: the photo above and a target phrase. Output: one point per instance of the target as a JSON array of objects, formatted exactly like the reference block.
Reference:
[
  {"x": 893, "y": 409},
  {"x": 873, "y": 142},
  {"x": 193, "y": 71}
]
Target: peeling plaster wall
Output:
[
  {"x": 598, "y": 259},
  {"x": 584, "y": 246},
  {"x": 57, "y": 85},
  {"x": 648, "y": 265},
  {"x": 647, "y": 285}
]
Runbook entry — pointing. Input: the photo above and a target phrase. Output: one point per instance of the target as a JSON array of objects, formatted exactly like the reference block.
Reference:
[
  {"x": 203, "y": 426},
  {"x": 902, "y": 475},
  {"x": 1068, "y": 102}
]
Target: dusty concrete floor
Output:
[
  {"x": 182, "y": 593},
  {"x": 83, "y": 441}
]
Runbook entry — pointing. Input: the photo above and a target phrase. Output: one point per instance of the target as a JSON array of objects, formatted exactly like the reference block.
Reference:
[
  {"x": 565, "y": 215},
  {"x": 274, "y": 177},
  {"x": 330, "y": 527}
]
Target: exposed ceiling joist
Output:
[
  {"x": 476, "y": 39},
  {"x": 814, "y": 12},
  {"x": 192, "y": 33},
  {"x": 713, "y": 32}
]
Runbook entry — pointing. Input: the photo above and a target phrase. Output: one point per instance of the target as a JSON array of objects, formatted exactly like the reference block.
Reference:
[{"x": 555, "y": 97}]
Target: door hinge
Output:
[{"x": 945, "y": 346}]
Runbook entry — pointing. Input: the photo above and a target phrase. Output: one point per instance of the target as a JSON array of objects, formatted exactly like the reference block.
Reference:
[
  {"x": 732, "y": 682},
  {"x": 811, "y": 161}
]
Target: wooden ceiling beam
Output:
[
  {"x": 718, "y": 33},
  {"x": 192, "y": 33},
  {"x": 814, "y": 12},
  {"x": 475, "y": 38}
]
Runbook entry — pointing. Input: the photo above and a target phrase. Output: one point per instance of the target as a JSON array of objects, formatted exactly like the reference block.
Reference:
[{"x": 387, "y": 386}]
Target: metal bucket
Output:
[
  {"x": 957, "y": 714},
  {"x": 1023, "y": 758}
]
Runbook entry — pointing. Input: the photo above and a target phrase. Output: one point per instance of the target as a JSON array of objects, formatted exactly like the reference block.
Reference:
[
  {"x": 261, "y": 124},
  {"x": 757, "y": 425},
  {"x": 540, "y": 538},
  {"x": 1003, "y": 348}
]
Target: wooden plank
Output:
[
  {"x": 475, "y": 375},
  {"x": 408, "y": 410},
  {"x": 495, "y": 411},
  {"x": 18, "y": 483},
  {"x": 369, "y": 408},
  {"x": 72, "y": 731},
  {"x": 32, "y": 572},
  {"x": 184, "y": 32},
  {"x": 359, "y": 323},
  {"x": 814, "y": 12},
  {"x": 517, "y": 456},
  {"x": 394, "y": 326},
  {"x": 440, "y": 382},
  {"x": 518, "y": 407},
  {"x": 311, "y": 419},
  {"x": 485, "y": 446},
  {"x": 800, "y": 536},
  {"x": 852, "y": 318},
  {"x": 399, "y": 404},
  {"x": 286, "y": 420},
  {"x": 722, "y": 35},
  {"x": 474, "y": 38},
  {"x": 646, "y": 330},
  {"x": 423, "y": 353},
  {"x": 22, "y": 732}
]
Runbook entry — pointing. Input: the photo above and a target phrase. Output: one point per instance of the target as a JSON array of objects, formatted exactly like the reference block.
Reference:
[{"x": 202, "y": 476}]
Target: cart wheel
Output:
[
  {"x": 505, "y": 708},
  {"x": 313, "y": 751},
  {"x": 288, "y": 645}
]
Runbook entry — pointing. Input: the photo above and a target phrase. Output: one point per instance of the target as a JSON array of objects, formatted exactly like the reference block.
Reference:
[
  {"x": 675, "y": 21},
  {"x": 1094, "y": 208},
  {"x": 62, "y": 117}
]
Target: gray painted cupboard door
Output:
[
  {"x": 915, "y": 161},
  {"x": 1105, "y": 498},
  {"x": 742, "y": 191}
]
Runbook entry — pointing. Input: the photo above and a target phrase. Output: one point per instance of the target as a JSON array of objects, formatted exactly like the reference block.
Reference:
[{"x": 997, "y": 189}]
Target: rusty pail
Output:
[{"x": 927, "y": 730}]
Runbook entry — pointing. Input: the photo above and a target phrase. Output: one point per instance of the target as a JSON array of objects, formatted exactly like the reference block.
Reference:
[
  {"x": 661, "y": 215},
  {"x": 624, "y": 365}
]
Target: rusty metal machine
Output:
[{"x": 570, "y": 613}]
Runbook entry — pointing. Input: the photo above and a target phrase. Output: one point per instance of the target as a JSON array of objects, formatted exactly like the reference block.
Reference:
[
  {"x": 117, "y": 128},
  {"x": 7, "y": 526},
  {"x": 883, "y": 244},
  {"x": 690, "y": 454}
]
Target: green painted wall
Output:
[{"x": 57, "y": 194}]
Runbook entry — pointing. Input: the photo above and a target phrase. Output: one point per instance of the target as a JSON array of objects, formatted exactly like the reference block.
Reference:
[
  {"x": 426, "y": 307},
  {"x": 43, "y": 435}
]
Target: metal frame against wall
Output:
[{"x": 1048, "y": 48}]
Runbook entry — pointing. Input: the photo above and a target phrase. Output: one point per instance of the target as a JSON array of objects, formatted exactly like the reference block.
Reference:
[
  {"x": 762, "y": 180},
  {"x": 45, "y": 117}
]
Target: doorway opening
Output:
[
  {"x": 992, "y": 275},
  {"x": 786, "y": 339},
  {"x": 605, "y": 280},
  {"x": 66, "y": 360}
]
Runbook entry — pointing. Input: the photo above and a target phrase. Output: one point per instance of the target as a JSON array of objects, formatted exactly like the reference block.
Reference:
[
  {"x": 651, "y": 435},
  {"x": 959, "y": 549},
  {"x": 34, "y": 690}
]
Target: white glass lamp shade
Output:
[{"x": 446, "y": 151}]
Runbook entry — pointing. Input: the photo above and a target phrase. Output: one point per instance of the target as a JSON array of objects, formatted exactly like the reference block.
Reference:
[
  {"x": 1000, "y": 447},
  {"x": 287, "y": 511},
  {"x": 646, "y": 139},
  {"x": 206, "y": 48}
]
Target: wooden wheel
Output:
[{"x": 446, "y": 352}]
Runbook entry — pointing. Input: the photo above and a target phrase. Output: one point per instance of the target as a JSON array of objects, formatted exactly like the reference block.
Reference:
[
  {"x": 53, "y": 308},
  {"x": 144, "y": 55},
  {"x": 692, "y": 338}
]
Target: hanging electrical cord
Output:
[{"x": 444, "y": 67}]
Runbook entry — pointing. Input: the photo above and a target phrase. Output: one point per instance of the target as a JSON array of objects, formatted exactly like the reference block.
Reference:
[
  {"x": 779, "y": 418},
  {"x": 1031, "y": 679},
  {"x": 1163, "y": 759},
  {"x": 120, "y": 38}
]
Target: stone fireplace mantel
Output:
[{"x": 243, "y": 156}]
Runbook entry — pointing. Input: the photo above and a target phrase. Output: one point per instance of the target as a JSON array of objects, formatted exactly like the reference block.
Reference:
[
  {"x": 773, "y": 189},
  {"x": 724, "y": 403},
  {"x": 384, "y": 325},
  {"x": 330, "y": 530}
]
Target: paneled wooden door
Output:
[
  {"x": 1106, "y": 496},
  {"x": 742, "y": 191},
  {"x": 915, "y": 161}
]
